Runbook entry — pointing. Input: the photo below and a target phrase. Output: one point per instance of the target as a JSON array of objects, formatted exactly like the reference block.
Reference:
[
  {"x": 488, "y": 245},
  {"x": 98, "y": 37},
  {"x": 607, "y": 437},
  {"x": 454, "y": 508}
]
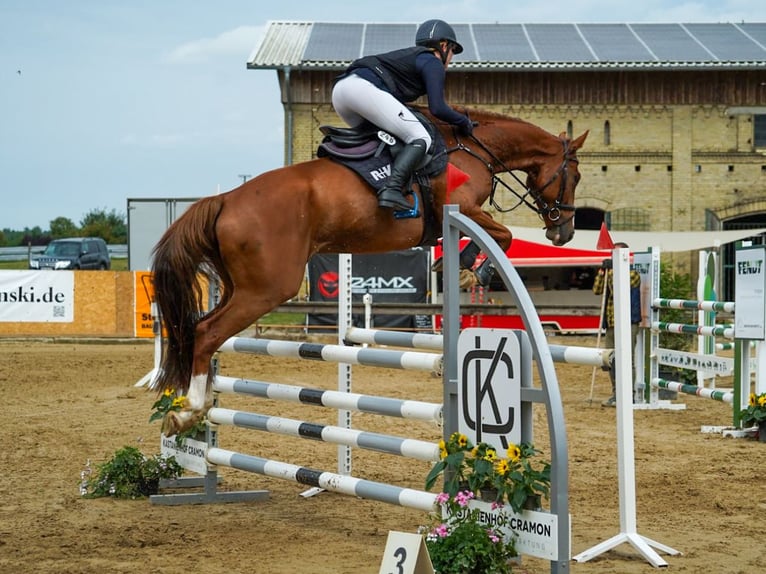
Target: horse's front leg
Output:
[{"x": 500, "y": 233}]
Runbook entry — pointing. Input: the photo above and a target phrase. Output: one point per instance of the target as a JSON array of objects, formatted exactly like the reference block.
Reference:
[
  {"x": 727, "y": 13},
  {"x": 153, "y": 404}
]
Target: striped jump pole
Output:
[
  {"x": 559, "y": 353},
  {"x": 716, "y": 395},
  {"x": 415, "y": 410},
  {"x": 726, "y": 331},
  {"x": 388, "y": 444},
  {"x": 395, "y": 338},
  {"x": 333, "y": 482},
  {"x": 429, "y": 362},
  {"x": 719, "y": 306}
]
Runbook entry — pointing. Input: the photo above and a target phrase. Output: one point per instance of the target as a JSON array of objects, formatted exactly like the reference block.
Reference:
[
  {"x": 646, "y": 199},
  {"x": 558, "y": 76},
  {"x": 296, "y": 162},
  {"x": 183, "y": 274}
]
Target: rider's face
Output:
[{"x": 447, "y": 46}]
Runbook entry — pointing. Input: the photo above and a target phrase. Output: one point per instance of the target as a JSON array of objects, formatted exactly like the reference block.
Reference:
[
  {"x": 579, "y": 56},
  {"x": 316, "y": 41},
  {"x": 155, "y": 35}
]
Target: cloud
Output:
[{"x": 239, "y": 41}]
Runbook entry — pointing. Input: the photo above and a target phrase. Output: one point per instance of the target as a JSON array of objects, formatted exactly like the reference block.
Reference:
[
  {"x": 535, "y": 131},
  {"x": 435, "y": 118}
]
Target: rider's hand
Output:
[{"x": 465, "y": 128}]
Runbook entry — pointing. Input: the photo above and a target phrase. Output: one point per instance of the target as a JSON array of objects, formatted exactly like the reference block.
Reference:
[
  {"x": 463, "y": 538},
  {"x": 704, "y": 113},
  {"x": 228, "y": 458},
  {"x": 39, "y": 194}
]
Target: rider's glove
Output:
[{"x": 465, "y": 128}]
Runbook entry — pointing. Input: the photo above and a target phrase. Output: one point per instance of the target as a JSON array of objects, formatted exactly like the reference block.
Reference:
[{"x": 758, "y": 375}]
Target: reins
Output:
[{"x": 537, "y": 204}]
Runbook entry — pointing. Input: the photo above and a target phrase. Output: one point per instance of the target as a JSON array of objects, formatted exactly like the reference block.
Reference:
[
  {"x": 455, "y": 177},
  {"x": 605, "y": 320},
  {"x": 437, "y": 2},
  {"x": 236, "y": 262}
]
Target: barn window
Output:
[
  {"x": 630, "y": 219},
  {"x": 570, "y": 129},
  {"x": 759, "y": 131},
  {"x": 607, "y": 133}
]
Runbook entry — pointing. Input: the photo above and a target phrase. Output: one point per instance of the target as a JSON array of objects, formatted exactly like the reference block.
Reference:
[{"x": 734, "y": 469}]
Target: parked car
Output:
[{"x": 73, "y": 253}]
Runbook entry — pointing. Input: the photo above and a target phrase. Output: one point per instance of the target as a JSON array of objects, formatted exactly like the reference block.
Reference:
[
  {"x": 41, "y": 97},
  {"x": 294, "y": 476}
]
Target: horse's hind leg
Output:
[{"x": 245, "y": 306}]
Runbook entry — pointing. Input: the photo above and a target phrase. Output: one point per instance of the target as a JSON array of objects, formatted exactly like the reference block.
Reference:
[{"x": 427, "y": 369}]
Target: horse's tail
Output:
[{"x": 189, "y": 246}]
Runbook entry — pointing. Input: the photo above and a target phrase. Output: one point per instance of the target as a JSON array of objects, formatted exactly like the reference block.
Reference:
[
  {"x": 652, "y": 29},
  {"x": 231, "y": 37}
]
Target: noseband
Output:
[{"x": 537, "y": 203}]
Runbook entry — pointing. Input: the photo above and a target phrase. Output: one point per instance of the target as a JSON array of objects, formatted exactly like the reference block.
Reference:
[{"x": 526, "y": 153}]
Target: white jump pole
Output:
[{"x": 626, "y": 468}]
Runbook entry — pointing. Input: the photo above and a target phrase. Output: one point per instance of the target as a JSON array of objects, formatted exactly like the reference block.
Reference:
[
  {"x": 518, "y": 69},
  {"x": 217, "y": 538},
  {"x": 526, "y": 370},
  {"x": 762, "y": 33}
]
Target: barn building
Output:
[{"x": 676, "y": 112}]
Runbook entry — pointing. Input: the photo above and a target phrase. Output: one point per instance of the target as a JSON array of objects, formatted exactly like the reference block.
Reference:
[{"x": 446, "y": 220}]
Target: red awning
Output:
[{"x": 530, "y": 254}]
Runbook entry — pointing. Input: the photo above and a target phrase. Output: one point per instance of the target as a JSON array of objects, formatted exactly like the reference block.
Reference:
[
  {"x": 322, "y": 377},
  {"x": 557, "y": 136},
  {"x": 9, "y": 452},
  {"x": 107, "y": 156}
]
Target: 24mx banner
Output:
[{"x": 396, "y": 277}]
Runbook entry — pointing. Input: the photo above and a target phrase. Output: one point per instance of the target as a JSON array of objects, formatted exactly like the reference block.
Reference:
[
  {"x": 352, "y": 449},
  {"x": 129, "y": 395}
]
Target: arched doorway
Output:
[{"x": 589, "y": 218}]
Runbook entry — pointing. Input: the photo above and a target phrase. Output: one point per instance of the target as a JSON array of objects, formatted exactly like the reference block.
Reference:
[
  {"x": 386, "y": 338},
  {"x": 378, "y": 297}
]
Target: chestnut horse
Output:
[{"x": 257, "y": 238}]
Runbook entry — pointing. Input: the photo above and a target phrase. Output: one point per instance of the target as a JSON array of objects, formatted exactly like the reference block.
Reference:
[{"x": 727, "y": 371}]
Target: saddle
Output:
[{"x": 369, "y": 151}]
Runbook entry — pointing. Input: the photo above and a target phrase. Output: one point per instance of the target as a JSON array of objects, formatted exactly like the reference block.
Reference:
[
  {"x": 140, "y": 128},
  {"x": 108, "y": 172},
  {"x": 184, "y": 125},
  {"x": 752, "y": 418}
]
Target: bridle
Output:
[{"x": 537, "y": 203}]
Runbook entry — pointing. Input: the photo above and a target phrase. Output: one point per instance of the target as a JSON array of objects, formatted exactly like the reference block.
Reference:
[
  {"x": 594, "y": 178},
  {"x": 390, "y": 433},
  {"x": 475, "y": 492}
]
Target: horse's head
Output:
[{"x": 552, "y": 187}]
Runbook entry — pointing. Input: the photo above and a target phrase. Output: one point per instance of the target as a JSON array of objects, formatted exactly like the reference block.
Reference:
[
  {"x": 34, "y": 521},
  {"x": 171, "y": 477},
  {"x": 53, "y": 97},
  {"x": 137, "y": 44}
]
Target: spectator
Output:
[{"x": 603, "y": 285}]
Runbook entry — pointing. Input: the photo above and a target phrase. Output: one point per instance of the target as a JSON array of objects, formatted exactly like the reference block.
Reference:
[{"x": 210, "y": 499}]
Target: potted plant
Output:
[
  {"x": 459, "y": 543},
  {"x": 521, "y": 480},
  {"x": 755, "y": 414},
  {"x": 128, "y": 474},
  {"x": 482, "y": 478},
  {"x": 517, "y": 479}
]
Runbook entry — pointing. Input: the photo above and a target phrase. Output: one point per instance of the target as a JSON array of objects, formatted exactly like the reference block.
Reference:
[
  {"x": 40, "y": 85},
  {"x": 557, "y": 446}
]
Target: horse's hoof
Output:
[{"x": 179, "y": 421}]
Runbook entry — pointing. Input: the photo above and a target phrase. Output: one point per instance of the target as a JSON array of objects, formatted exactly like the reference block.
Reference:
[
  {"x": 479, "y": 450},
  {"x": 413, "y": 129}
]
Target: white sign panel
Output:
[
  {"x": 406, "y": 553},
  {"x": 190, "y": 454},
  {"x": 749, "y": 296},
  {"x": 36, "y": 296},
  {"x": 535, "y": 533},
  {"x": 489, "y": 387}
]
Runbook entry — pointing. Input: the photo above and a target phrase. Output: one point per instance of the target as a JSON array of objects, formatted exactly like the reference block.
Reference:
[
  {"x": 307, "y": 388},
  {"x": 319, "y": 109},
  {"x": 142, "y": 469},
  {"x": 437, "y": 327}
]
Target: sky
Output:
[{"x": 106, "y": 100}]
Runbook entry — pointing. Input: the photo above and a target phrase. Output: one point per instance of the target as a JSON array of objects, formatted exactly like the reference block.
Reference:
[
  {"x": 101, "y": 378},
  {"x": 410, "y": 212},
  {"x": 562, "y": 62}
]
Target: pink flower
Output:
[
  {"x": 463, "y": 497},
  {"x": 442, "y": 497},
  {"x": 441, "y": 531}
]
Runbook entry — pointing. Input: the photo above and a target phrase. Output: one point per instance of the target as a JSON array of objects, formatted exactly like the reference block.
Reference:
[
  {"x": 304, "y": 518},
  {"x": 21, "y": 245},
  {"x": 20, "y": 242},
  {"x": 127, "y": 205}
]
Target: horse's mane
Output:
[{"x": 479, "y": 115}]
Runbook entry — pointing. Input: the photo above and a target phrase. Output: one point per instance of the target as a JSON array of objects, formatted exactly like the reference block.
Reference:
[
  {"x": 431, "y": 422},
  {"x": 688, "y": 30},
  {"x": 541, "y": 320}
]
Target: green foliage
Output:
[
  {"x": 513, "y": 479},
  {"x": 460, "y": 544},
  {"x": 63, "y": 227},
  {"x": 128, "y": 474},
  {"x": 110, "y": 227},
  {"x": 755, "y": 413},
  {"x": 676, "y": 285}
]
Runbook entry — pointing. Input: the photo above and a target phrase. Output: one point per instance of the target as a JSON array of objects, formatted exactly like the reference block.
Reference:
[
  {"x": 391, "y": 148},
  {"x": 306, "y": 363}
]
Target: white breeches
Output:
[{"x": 355, "y": 99}]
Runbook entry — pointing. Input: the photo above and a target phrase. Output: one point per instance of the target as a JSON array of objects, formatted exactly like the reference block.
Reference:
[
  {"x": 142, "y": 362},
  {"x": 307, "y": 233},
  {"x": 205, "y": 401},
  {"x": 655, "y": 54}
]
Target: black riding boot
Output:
[{"x": 391, "y": 194}]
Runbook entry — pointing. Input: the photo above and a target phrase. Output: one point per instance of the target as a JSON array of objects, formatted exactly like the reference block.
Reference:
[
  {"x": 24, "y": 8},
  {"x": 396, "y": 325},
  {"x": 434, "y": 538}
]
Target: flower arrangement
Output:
[
  {"x": 514, "y": 479},
  {"x": 169, "y": 401},
  {"x": 755, "y": 413},
  {"x": 459, "y": 544},
  {"x": 128, "y": 474}
]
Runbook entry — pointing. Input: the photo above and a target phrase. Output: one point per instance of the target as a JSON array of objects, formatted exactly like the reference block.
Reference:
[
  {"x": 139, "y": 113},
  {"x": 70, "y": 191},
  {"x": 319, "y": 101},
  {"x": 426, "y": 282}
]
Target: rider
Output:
[{"x": 375, "y": 88}]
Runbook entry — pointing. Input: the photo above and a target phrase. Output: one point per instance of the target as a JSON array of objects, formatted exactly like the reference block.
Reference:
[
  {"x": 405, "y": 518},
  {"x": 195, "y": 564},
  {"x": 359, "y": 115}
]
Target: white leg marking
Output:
[{"x": 197, "y": 390}]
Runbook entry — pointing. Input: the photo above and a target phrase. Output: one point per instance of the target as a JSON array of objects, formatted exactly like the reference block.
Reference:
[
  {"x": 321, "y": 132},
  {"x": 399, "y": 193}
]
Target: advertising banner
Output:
[
  {"x": 37, "y": 296},
  {"x": 396, "y": 277},
  {"x": 144, "y": 290},
  {"x": 750, "y": 293}
]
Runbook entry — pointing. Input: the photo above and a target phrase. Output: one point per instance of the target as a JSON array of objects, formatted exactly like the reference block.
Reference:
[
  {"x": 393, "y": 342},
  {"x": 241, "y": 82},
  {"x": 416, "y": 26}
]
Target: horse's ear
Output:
[{"x": 577, "y": 144}]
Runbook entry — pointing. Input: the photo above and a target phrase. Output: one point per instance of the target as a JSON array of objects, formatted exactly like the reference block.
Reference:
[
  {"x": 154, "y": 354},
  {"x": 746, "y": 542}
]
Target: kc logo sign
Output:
[{"x": 489, "y": 387}]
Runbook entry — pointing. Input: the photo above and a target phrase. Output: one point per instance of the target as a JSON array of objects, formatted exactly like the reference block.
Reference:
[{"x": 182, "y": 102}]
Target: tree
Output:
[
  {"x": 35, "y": 236},
  {"x": 63, "y": 227},
  {"x": 111, "y": 227}
]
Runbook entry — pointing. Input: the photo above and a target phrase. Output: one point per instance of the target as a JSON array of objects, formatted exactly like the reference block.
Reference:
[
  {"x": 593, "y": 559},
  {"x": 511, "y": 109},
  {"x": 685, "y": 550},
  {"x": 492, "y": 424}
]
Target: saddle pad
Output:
[{"x": 376, "y": 168}]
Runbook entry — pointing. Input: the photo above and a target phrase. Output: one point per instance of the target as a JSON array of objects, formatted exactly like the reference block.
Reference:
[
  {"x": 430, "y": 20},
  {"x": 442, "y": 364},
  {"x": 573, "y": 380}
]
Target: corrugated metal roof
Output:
[{"x": 334, "y": 45}]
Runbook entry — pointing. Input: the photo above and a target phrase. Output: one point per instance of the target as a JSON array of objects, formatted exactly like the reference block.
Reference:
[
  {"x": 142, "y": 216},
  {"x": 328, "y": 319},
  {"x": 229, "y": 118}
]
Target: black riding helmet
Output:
[{"x": 431, "y": 32}]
